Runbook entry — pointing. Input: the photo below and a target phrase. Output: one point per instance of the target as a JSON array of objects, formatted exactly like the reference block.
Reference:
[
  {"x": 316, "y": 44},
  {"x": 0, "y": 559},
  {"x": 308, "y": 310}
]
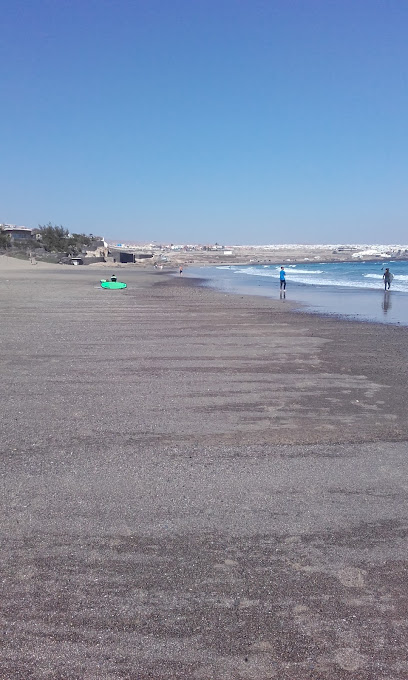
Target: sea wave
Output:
[
  {"x": 301, "y": 271},
  {"x": 253, "y": 271},
  {"x": 396, "y": 277},
  {"x": 297, "y": 276},
  {"x": 308, "y": 271},
  {"x": 347, "y": 283}
]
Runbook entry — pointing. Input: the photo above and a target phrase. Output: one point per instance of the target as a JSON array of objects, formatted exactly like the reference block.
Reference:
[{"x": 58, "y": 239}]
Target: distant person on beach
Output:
[
  {"x": 181, "y": 270},
  {"x": 282, "y": 278},
  {"x": 388, "y": 277},
  {"x": 113, "y": 277}
]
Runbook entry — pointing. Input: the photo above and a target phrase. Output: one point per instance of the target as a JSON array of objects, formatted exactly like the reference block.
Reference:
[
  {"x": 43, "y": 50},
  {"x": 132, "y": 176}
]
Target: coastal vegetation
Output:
[
  {"x": 48, "y": 241},
  {"x": 5, "y": 241},
  {"x": 57, "y": 239}
]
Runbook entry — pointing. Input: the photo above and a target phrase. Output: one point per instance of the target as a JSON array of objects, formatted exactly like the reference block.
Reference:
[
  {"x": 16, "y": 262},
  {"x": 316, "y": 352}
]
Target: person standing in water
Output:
[
  {"x": 387, "y": 276},
  {"x": 282, "y": 278}
]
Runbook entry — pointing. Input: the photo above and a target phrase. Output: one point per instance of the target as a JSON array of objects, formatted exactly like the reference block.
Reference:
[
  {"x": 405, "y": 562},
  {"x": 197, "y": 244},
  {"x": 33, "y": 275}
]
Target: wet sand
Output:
[
  {"x": 356, "y": 304},
  {"x": 197, "y": 485}
]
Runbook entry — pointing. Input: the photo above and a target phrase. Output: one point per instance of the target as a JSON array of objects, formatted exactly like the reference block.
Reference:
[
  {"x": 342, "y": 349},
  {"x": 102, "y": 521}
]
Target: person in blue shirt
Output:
[
  {"x": 388, "y": 277},
  {"x": 282, "y": 277}
]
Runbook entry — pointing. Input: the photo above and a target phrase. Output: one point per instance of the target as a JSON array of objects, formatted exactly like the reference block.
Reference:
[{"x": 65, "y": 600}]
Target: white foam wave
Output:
[
  {"x": 308, "y": 271},
  {"x": 397, "y": 277},
  {"x": 296, "y": 276},
  {"x": 252, "y": 271},
  {"x": 301, "y": 271},
  {"x": 347, "y": 283}
]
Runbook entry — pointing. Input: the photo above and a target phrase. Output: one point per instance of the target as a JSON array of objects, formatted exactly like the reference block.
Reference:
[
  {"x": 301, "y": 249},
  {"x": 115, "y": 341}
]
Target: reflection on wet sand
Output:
[
  {"x": 386, "y": 303},
  {"x": 282, "y": 294}
]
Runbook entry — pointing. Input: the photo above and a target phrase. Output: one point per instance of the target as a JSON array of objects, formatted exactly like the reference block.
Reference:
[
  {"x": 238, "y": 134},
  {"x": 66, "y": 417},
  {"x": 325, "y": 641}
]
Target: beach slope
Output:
[{"x": 197, "y": 485}]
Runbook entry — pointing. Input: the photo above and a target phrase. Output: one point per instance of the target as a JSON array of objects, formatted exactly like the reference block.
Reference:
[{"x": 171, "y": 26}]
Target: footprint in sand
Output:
[
  {"x": 349, "y": 659},
  {"x": 352, "y": 577}
]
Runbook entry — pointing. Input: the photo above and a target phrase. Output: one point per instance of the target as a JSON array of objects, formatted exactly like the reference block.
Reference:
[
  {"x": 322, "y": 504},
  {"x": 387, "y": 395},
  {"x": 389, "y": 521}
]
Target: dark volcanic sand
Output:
[{"x": 197, "y": 485}]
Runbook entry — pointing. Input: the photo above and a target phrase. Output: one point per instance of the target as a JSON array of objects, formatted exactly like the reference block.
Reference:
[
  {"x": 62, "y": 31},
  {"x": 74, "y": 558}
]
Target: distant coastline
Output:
[
  {"x": 197, "y": 255},
  {"x": 167, "y": 257}
]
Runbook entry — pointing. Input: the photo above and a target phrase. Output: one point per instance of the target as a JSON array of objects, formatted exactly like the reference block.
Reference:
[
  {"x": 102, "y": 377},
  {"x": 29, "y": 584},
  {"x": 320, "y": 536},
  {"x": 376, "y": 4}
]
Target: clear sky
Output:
[{"x": 237, "y": 121}]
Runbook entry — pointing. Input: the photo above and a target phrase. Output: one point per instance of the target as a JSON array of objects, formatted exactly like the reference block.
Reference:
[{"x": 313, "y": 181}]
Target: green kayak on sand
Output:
[{"x": 112, "y": 284}]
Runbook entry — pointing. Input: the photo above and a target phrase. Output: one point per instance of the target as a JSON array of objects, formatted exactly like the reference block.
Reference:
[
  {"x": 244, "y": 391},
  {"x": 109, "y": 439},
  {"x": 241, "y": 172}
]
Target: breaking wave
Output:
[{"x": 344, "y": 279}]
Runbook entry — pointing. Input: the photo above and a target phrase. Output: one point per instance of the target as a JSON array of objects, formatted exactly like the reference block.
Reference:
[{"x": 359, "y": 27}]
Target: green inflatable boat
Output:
[{"x": 112, "y": 284}]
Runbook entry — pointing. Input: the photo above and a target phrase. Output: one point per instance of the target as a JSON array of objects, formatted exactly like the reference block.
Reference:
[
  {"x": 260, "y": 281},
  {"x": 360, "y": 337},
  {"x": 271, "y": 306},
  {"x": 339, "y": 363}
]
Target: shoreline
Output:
[
  {"x": 368, "y": 304},
  {"x": 324, "y": 302},
  {"x": 226, "y": 263}
]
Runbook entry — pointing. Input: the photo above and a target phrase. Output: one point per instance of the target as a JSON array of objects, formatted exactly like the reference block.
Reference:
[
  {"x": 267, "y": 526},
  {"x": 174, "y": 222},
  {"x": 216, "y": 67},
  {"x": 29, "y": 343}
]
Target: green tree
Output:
[
  {"x": 82, "y": 239},
  {"x": 77, "y": 243},
  {"x": 54, "y": 239},
  {"x": 57, "y": 239},
  {"x": 5, "y": 240}
]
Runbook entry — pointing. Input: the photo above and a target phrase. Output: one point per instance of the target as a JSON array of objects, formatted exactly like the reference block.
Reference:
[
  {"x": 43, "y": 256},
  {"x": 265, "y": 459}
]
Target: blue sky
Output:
[{"x": 241, "y": 121}]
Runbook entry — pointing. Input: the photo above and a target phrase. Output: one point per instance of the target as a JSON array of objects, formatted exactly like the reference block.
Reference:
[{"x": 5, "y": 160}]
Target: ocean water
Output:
[{"x": 351, "y": 289}]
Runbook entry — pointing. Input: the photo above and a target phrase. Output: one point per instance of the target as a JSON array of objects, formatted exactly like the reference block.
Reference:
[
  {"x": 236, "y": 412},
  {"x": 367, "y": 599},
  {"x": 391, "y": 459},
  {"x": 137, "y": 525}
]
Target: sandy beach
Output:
[{"x": 197, "y": 486}]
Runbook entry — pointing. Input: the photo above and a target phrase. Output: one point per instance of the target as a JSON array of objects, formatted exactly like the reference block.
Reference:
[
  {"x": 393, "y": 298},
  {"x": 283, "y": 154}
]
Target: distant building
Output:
[
  {"x": 17, "y": 233},
  {"x": 125, "y": 258},
  {"x": 97, "y": 248}
]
